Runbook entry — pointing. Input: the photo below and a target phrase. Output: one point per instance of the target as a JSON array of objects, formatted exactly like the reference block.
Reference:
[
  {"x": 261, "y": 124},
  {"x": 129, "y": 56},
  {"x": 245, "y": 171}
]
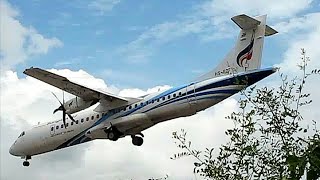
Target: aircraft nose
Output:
[{"x": 13, "y": 151}]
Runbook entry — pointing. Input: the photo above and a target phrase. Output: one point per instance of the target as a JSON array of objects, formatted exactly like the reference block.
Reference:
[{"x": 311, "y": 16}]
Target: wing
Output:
[{"x": 84, "y": 92}]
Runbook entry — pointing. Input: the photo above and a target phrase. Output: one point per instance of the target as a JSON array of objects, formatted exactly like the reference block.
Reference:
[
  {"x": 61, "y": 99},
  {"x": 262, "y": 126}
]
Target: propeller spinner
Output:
[{"x": 63, "y": 109}]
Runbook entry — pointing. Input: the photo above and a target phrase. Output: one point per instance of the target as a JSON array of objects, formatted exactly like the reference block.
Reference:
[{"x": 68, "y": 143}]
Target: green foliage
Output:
[{"x": 270, "y": 140}]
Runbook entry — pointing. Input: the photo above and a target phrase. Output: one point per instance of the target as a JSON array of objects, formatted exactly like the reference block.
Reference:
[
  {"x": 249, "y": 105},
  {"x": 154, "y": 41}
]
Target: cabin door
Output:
[
  {"x": 52, "y": 129},
  {"x": 191, "y": 95}
]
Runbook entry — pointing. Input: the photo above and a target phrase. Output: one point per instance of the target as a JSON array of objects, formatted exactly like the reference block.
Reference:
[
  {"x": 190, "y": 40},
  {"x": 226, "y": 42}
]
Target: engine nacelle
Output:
[{"x": 77, "y": 104}]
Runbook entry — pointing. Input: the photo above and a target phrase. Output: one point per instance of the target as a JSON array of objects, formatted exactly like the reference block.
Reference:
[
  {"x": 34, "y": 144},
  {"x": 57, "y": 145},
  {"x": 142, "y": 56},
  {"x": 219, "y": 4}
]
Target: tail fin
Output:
[{"x": 246, "y": 55}]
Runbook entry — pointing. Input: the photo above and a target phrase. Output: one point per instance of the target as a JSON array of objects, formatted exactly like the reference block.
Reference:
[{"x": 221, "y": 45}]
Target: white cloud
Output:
[
  {"x": 103, "y": 6},
  {"x": 138, "y": 92},
  {"x": 28, "y": 101},
  {"x": 18, "y": 42},
  {"x": 209, "y": 21},
  {"x": 37, "y": 44},
  {"x": 141, "y": 49},
  {"x": 307, "y": 36},
  {"x": 222, "y": 10},
  {"x": 25, "y": 92},
  {"x": 305, "y": 23}
]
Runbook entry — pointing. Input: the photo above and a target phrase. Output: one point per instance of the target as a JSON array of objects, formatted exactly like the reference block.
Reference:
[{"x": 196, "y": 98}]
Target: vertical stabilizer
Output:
[{"x": 247, "y": 52}]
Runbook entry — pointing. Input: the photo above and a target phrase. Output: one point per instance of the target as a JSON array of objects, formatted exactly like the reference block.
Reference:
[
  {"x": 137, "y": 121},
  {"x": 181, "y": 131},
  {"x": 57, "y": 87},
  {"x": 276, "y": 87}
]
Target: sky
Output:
[{"x": 131, "y": 48}]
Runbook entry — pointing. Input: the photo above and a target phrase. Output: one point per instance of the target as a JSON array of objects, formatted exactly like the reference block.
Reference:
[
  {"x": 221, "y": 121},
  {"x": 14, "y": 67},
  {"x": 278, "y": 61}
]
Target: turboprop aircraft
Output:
[{"x": 115, "y": 117}]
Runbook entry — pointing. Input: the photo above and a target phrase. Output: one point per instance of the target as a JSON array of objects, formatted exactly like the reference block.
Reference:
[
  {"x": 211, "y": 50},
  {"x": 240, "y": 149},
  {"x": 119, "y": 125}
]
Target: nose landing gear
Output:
[
  {"x": 26, "y": 163},
  {"x": 137, "y": 140}
]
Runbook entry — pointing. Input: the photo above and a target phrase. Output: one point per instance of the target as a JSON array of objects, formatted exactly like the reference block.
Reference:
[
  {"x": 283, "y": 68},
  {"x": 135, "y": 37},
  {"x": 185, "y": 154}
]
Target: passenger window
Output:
[
  {"x": 97, "y": 116},
  {"x": 61, "y": 125},
  {"x": 136, "y": 105},
  {"x": 77, "y": 121},
  {"x": 67, "y": 124},
  {"x": 22, "y": 134},
  {"x": 168, "y": 96},
  {"x": 57, "y": 127},
  {"x": 92, "y": 117},
  {"x": 82, "y": 120},
  {"x": 174, "y": 95},
  {"x": 152, "y": 101},
  {"x": 52, "y": 128},
  {"x": 130, "y": 107},
  {"x": 72, "y": 123},
  {"x": 163, "y": 98},
  {"x": 87, "y": 119},
  {"x": 141, "y": 104},
  {"x": 158, "y": 99}
]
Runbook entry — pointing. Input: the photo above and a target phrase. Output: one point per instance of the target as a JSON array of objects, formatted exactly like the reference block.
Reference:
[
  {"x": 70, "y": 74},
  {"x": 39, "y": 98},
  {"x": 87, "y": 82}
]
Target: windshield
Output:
[{"x": 22, "y": 134}]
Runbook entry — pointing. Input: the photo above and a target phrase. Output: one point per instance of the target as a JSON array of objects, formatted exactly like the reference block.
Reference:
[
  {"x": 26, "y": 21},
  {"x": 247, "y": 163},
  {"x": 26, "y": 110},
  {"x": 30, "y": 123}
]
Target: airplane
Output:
[{"x": 115, "y": 117}]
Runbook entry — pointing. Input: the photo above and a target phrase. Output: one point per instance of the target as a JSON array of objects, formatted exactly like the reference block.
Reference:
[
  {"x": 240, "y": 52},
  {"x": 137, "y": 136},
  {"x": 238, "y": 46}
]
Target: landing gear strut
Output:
[
  {"x": 113, "y": 133},
  {"x": 137, "y": 140},
  {"x": 26, "y": 163}
]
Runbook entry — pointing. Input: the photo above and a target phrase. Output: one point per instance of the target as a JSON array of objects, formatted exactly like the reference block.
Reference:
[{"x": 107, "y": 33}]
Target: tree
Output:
[{"x": 270, "y": 139}]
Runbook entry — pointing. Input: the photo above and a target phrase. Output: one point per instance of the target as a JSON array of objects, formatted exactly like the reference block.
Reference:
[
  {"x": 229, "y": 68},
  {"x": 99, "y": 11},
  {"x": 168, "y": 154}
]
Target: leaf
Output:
[{"x": 197, "y": 164}]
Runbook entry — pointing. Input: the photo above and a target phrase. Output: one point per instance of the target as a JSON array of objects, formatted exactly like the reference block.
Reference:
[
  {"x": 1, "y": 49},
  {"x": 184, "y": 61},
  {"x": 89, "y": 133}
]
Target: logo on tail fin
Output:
[{"x": 246, "y": 53}]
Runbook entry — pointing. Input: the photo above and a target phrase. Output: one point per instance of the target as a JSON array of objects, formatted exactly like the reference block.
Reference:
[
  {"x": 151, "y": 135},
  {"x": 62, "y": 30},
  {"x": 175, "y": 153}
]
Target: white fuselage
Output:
[{"x": 154, "y": 108}]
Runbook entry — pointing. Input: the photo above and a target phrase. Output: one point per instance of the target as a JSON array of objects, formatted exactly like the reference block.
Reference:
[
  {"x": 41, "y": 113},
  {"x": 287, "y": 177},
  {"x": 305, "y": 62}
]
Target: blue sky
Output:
[
  {"x": 90, "y": 40},
  {"x": 97, "y": 40}
]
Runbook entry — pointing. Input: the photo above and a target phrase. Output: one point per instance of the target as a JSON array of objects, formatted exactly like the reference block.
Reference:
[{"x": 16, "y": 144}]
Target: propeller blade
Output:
[
  {"x": 56, "y": 98},
  {"x": 63, "y": 97},
  {"x": 71, "y": 117},
  {"x": 60, "y": 108},
  {"x": 64, "y": 118},
  {"x": 63, "y": 109}
]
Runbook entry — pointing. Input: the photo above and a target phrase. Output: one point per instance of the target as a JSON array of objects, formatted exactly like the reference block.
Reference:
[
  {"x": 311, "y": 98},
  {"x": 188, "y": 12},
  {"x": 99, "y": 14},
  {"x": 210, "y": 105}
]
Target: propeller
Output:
[{"x": 63, "y": 109}]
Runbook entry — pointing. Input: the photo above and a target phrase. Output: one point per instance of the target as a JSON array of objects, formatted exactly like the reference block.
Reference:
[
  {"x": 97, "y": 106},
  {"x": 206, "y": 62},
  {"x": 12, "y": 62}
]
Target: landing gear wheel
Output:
[
  {"x": 137, "y": 141},
  {"x": 113, "y": 136},
  {"x": 26, "y": 163}
]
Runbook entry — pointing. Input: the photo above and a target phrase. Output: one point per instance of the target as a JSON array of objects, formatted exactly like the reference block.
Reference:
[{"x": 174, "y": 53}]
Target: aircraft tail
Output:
[{"x": 247, "y": 52}]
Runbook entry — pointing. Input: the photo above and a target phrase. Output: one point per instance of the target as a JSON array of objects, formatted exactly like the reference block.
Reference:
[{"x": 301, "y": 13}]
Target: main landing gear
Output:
[
  {"x": 26, "y": 163},
  {"x": 114, "y": 134}
]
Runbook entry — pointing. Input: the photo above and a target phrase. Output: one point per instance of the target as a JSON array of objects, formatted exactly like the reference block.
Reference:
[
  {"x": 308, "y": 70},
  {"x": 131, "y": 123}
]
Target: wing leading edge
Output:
[{"x": 82, "y": 91}]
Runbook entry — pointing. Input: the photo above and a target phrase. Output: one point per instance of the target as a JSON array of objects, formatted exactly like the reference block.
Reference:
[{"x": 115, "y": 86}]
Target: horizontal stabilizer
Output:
[
  {"x": 245, "y": 22},
  {"x": 270, "y": 31}
]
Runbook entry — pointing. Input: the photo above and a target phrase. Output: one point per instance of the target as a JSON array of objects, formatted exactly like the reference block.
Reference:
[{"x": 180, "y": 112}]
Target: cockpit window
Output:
[{"x": 22, "y": 134}]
